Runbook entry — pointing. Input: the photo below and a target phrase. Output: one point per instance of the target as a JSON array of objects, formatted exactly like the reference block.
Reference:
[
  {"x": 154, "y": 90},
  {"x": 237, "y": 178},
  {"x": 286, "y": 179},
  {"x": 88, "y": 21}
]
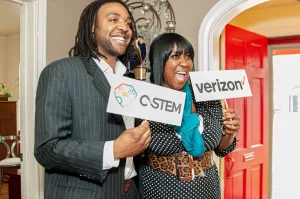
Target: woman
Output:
[{"x": 175, "y": 165}]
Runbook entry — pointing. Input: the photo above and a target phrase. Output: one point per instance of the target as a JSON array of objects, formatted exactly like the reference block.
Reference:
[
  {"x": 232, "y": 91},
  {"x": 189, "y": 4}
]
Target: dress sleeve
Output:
[{"x": 222, "y": 153}]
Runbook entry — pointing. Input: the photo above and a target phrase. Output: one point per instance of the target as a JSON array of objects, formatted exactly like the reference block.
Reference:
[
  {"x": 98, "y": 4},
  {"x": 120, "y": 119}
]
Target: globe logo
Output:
[{"x": 125, "y": 94}]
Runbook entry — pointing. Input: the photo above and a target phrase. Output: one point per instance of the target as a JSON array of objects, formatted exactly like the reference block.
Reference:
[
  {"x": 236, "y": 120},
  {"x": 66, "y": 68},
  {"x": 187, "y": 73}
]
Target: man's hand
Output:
[{"x": 132, "y": 141}]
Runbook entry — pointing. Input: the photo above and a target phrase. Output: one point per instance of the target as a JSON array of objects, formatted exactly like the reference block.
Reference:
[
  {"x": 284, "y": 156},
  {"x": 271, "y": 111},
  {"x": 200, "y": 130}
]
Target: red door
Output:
[{"x": 246, "y": 168}]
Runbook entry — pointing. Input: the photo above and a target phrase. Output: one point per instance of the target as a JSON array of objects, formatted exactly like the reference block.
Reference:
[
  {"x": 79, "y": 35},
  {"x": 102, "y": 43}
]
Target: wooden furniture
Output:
[
  {"x": 10, "y": 161},
  {"x": 8, "y": 126},
  {"x": 14, "y": 186}
]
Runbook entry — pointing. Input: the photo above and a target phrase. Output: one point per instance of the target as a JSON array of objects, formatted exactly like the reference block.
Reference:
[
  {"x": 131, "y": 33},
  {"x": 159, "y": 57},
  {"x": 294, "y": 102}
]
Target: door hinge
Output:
[{"x": 21, "y": 157}]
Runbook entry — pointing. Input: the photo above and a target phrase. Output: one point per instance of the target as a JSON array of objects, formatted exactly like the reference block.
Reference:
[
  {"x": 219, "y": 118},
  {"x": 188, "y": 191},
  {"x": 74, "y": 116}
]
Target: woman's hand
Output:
[{"x": 231, "y": 122}]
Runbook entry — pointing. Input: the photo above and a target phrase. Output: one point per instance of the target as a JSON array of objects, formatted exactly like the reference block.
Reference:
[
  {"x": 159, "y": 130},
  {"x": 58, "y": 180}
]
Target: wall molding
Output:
[{"x": 32, "y": 60}]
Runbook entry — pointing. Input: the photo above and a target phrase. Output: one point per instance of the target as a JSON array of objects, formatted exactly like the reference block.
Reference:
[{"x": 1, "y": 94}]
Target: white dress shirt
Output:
[{"x": 108, "y": 153}]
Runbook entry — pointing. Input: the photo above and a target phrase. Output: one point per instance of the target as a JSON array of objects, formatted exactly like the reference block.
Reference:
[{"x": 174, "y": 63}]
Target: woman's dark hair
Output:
[
  {"x": 160, "y": 50},
  {"x": 86, "y": 44}
]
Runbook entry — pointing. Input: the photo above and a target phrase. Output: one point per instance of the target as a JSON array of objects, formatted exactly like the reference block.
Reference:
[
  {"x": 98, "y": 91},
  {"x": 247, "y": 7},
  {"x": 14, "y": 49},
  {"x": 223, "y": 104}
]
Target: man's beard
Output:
[{"x": 107, "y": 46}]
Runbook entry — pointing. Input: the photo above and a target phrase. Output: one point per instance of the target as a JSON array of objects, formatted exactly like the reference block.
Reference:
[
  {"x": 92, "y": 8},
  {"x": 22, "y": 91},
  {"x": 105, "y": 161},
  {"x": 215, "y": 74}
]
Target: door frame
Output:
[
  {"x": 211, "y": 28},
  {"x": 33, "y": 15}
]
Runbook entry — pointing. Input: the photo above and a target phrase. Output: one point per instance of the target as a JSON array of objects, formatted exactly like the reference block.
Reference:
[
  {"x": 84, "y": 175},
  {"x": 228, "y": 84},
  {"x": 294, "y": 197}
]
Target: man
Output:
[{"x": 83, "y": 148}]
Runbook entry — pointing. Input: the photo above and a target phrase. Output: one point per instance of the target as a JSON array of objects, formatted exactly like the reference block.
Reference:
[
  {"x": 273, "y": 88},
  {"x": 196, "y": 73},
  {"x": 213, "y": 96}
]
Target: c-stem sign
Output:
[{"x": 143, "y": 100}]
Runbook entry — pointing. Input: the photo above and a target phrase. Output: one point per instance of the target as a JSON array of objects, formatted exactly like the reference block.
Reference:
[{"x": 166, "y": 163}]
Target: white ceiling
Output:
[
  {"x": 9, "y": 18},
  {"x": 10, "y": 14}
]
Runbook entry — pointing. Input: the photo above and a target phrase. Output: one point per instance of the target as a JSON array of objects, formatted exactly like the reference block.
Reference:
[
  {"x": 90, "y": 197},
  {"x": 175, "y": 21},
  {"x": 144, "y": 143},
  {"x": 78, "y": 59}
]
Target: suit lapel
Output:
[{"x": 100, "y": 82}]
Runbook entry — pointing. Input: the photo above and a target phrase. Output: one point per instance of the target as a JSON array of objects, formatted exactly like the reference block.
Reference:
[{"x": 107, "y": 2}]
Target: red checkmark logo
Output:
[{"x": 243, "y": 82}]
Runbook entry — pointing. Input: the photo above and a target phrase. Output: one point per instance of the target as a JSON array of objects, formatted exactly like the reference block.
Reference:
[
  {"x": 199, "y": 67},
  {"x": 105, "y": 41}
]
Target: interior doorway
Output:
[
  {"x": 222, "y": 13},
  {"x": 285, "y": 59},
  {"x": 32, "y": 39},
  {"x": 10, "y": 110}
]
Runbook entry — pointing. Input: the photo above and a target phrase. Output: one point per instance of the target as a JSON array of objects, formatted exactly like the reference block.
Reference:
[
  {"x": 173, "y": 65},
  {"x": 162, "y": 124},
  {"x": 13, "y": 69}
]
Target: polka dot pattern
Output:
[{"x": 165, "y": 141}]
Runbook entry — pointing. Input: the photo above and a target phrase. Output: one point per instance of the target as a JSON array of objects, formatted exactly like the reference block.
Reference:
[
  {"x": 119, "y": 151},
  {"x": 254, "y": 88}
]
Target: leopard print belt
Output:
[{"x": 184, "y": 166}]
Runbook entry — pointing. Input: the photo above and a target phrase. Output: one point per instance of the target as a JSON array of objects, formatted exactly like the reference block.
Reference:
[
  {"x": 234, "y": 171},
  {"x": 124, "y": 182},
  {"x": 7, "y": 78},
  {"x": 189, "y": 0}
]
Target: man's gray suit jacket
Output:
[{"x": 71, "y": 127}]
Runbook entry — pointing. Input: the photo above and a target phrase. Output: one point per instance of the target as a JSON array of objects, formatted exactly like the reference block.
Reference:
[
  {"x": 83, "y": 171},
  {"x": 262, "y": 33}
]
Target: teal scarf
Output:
[{"x": 191, "y": 138}]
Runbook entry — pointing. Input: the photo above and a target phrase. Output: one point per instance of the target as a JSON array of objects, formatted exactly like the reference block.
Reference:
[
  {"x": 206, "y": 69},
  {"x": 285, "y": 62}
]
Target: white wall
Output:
[
  {"x": 12, "y": 63},
  {"x": 9, "y": 62},
  {"x": 63, "y": 17},
  {"x": 62, "y": 23},
  {"x": 2, "y": 59},
  {"x": 189, "y": 15},
  {"x": 271, "y": 22}
]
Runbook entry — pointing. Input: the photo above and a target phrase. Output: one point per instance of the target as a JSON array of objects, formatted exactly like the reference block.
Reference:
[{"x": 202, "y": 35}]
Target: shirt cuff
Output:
[{"x": 108, "y": 156}]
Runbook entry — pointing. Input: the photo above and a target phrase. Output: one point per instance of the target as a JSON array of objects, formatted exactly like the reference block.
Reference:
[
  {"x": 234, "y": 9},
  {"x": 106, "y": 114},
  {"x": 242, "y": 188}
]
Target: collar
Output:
[{"x": 120, "y": 69}]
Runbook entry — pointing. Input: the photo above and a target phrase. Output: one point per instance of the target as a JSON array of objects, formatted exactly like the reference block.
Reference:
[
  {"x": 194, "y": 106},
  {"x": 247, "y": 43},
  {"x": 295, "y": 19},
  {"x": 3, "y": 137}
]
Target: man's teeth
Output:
[{"x": 119, "y": 38}]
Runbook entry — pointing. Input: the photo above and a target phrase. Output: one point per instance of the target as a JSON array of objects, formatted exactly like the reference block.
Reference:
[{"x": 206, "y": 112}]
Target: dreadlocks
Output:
[{"x": 86, "y": 44}]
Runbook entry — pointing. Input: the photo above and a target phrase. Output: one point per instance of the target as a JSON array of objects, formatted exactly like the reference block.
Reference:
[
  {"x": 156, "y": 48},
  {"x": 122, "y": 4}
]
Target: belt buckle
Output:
[{"x": 183, "y": 176}]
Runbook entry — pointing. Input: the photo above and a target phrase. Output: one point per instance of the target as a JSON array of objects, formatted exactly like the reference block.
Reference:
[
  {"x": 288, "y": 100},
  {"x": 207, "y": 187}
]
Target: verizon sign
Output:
[{"x": 223, "y": 84}]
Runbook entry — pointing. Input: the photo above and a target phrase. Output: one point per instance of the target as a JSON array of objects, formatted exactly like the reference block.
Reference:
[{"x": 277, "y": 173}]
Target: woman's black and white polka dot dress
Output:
[{"x": 158, "y": 184}]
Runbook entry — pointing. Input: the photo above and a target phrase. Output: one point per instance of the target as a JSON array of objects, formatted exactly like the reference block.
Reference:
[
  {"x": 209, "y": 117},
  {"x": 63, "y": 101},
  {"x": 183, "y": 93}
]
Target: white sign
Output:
[
  {"x": 143, "y": 100},
  {"x": 222, "y": 84}
]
